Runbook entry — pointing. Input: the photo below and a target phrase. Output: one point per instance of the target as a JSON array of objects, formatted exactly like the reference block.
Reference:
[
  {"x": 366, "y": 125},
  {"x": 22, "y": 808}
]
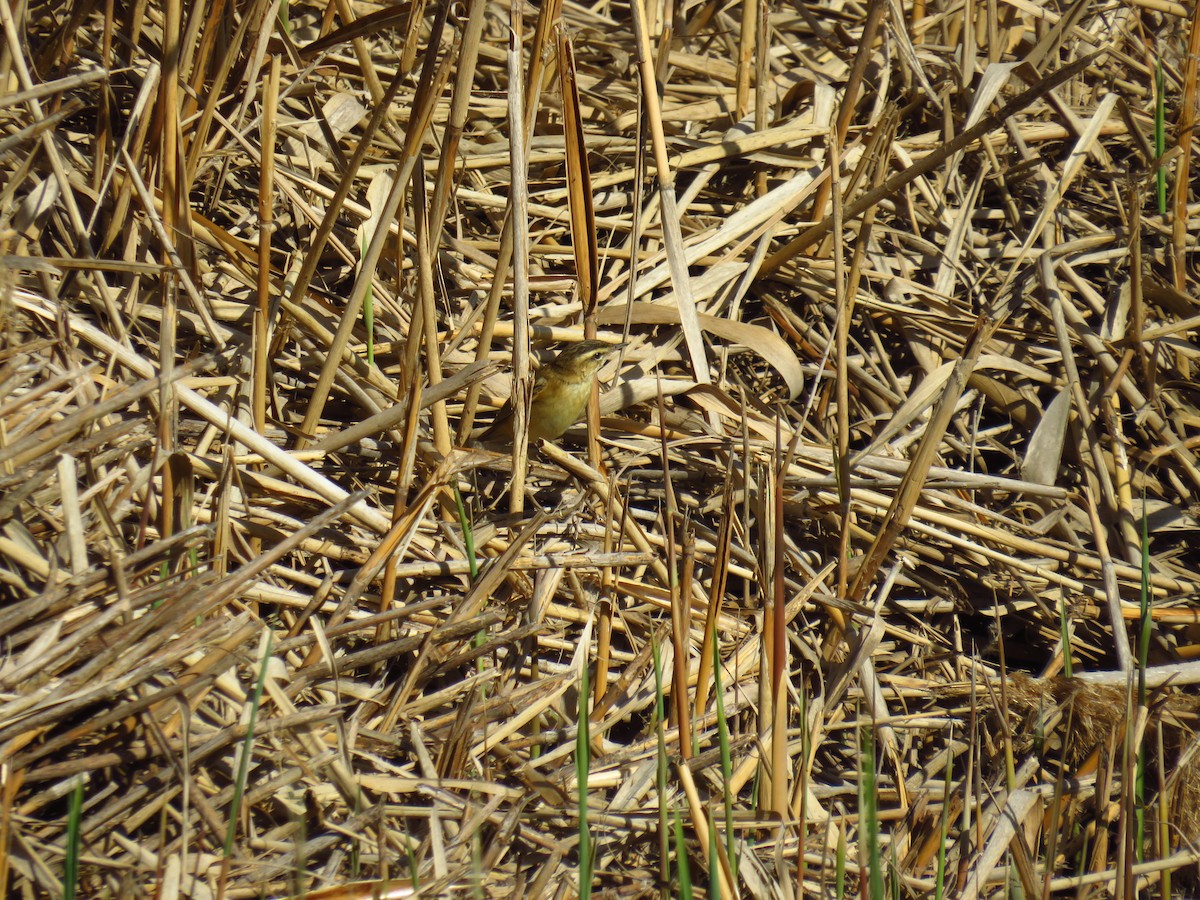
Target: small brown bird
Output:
[{"x": 560, "y": 394}]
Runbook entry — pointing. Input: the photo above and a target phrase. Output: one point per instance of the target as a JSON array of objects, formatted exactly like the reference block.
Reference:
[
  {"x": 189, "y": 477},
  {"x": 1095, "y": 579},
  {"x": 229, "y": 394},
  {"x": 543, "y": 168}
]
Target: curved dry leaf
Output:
[
  {"x": 1162, "y": 516},
  {"x": 995, "y": 362},
  {"x": 766, "y": 343},
  {"x": 377, "y": 194},
  {"x": 1044, "y": 452},
  {"x": 711, "y": 399},
  {"x": 642, "y": 390},
  {"x": 1116, "y": 317},
  {"x": 36, "y": 205},
  {"x": 921, "y": 399},
  {"x": 770, "y": 207},
  {"x": 342, "y": 112}
]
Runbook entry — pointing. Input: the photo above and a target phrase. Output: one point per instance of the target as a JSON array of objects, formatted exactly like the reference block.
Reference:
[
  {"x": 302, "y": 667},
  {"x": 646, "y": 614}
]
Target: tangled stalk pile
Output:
[{"x": 877, "y": 565}]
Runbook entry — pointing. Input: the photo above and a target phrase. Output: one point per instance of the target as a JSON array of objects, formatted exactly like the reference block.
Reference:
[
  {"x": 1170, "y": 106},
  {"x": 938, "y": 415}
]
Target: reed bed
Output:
[{"x": 873, "y": 571}]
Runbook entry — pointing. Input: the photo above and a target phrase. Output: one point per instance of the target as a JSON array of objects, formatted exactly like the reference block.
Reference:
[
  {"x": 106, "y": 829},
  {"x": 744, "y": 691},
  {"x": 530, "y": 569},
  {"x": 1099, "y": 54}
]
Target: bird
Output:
[{"x": 560, "y": 394}]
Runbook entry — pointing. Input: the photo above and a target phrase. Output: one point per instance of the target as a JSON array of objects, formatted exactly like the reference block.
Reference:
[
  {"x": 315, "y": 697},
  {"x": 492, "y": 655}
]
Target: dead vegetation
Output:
[{"x": 898, "y": 448}]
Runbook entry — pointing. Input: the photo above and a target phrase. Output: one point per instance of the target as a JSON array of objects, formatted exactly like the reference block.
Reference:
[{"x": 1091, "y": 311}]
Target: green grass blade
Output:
[
  {"x": 468, "y": 533},
  {"x": 681, "y": 860},
  {"x": 714, "y": 875},
  {"x": 940, "y": 880},
  {"x": 660, "y": 775},
  {"x": 243, "y": 769},
  {"x": 71, "y": 863},
  {"x": 868, "y": 811}
]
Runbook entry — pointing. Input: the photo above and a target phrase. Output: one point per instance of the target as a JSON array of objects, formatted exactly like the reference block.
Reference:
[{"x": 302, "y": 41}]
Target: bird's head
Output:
[{"x": 584, "y": 359}]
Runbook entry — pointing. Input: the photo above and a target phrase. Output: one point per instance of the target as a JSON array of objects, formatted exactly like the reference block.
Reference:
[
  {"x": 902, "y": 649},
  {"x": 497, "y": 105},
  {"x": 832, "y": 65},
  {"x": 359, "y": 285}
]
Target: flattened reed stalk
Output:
[
  {"x": 518, "y": 217},
  {"x": 942, "y": 438}
]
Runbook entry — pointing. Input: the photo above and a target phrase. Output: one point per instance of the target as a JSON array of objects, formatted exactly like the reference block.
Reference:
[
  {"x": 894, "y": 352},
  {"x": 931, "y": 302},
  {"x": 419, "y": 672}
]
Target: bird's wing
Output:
[
  {"x": 539, "y": 383},
  {"x": 502, "y": 424}
]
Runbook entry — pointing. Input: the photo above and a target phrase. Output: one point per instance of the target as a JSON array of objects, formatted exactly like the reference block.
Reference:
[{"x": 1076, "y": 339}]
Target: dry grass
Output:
[{"x": 886, "y": 439}]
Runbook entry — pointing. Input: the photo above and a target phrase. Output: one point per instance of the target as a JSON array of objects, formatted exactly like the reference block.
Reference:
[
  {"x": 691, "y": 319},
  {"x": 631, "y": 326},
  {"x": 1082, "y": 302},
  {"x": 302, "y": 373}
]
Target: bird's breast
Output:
[{"x": 558, "y": 406}]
